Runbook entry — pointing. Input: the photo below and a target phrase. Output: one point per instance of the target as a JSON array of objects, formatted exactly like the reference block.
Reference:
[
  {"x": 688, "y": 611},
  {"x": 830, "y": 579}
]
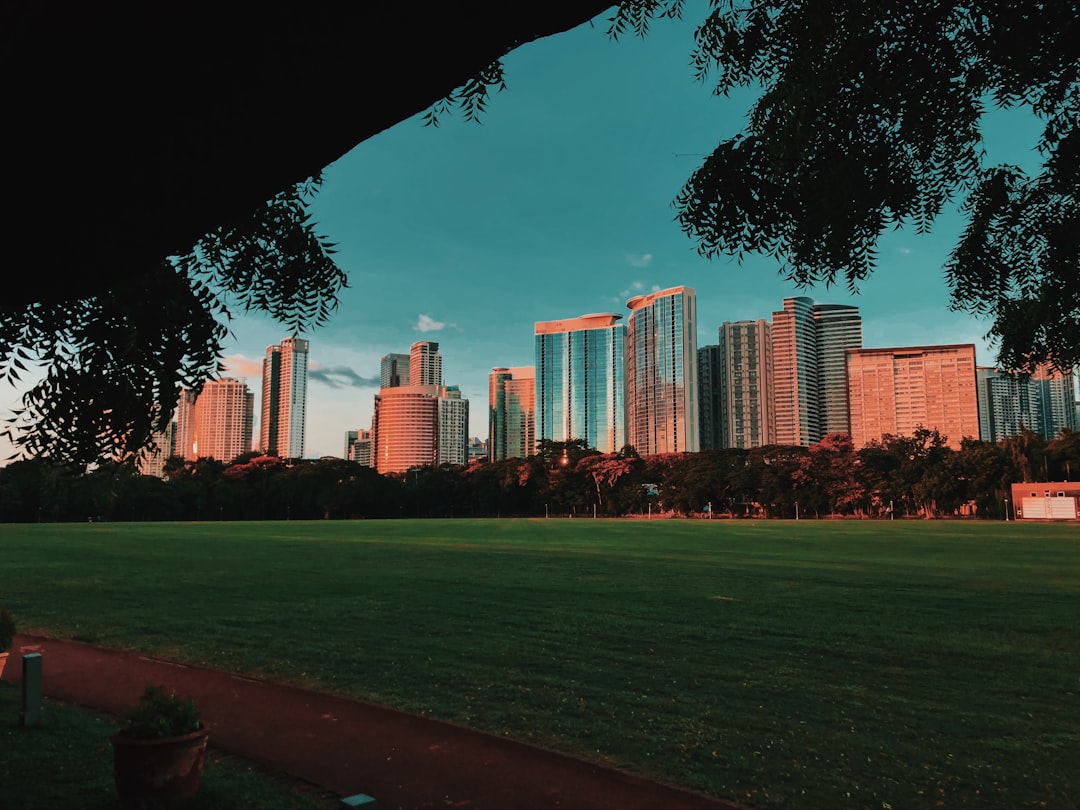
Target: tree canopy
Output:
[{"x": 162, "y": 172}]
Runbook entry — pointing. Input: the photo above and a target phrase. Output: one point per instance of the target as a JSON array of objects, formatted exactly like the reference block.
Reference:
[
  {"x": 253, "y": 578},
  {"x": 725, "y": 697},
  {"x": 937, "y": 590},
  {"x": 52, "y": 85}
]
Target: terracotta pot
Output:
[{"x": 162, "y": 773}]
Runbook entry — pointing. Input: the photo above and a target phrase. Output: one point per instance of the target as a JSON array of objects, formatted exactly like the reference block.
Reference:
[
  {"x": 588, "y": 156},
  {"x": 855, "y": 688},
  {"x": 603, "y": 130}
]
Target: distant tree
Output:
[{"x": 826, "y": 478}]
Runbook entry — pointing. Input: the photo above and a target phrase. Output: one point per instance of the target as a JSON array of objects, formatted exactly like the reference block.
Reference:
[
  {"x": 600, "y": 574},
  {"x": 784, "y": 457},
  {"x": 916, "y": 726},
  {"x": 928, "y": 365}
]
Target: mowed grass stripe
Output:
[{"x": 794, "y": 664}]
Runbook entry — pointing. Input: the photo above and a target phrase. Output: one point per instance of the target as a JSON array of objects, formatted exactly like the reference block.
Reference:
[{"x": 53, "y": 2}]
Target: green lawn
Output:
[{"x": 788, "y": 664}]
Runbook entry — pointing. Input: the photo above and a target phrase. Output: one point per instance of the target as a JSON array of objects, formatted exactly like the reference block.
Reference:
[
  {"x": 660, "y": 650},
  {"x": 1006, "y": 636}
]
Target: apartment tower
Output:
[
  {"x": 899, "y": 390},
  {"x": 1044, "y": 403},
  {"x": 661, "y": 372},
  {"x": 217, "y": 423},
  {"x": 425, "y": 363},
  {"x": 284, "y": 399},
  {"x": 579, "y": 381},
  {"x": 745, "y": 379},
  {"x": 512, "y": 412},
  {"x": 809, "y": 342}
]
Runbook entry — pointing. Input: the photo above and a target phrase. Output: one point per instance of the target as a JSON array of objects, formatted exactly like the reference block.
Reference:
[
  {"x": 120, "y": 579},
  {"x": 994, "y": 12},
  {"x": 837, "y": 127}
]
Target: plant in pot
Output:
[
  {"x": 159, "y": 752},
  {"x": 7, "y": 633}
]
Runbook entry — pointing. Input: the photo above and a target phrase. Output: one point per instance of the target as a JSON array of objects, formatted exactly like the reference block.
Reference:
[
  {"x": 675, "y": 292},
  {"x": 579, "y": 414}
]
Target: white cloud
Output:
[
  {"x": 429, "y": 324},
  {"x": 643, "y": 260},
  {"x": 236, "y": 365}
]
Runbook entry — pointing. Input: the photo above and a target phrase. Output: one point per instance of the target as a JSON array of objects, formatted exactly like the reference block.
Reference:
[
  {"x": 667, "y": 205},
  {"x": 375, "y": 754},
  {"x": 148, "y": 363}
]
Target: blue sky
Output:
[{"x": 557, "y": 205}]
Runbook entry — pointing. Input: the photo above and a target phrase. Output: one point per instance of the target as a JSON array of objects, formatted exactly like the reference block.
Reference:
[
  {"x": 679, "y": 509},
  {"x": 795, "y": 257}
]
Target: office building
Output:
[
  {"x": 184, "y": 438},
  {"x": 579, "y": 381},
  {"x": 512, "y": 412},
  {"x": 394, "y": 370},
  {"x": 661, "y": 372},
  {"x": 284, "y": 399},
  {"x": 896, "y": 391},
  {"x": 809, "y": 342}
]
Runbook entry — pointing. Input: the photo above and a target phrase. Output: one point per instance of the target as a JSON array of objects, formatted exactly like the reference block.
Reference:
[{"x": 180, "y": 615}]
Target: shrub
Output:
[{"x": 161, "y": 714}]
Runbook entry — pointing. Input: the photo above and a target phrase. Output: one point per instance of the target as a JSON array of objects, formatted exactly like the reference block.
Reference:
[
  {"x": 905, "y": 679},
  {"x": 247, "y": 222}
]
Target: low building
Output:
[{"x": 1046, "y": 500}]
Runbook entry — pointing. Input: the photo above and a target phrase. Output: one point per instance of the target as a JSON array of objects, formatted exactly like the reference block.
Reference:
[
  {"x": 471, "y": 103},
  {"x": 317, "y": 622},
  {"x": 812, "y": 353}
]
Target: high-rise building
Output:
[
  {"x": 184, "y": 440},
  {"x": 661, "y": 372},
  {"x": 512, "y": 412},
  {"x": 163, "y": 448},
  {"x": 453, "y": 435},
  {"x": 284, "y": 399},
  {"x": 425, "y": 363},
  {"x": 899, "y": 390},
  {"x": 1044, "y": 403},
  {"x": 217, "y": 423},
  {"x": 710, "y": 407},
  {"x": 358, "y": 447},
  {"x": 405, "y": 427},
  {"x": 579, "y": 381},
  {"x": 809, "y": 384},
  {"x": 394, "y": 370},
  {"x": 745, "y": 378}
]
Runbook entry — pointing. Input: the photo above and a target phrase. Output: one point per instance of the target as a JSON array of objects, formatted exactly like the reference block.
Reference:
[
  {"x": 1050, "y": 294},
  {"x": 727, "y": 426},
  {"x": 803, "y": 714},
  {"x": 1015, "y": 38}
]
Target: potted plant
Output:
[
  {"x": 7, "y": 633},
  {"x": 158, "y": 753}
]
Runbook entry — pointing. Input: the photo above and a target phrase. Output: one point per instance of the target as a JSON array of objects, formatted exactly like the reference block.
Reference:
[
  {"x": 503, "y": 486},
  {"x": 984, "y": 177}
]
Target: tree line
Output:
[{"x": 899, "y": 476}]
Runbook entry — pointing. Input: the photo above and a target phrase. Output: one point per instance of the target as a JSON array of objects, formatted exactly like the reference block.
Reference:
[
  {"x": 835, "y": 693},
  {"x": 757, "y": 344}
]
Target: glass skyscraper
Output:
[
  {"x": 661, "y": 372},
  {"x": 579, "y": 381}
]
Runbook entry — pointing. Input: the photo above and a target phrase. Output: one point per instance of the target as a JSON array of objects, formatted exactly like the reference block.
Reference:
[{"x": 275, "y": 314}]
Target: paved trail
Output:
[{"x": 350, "y": 747}]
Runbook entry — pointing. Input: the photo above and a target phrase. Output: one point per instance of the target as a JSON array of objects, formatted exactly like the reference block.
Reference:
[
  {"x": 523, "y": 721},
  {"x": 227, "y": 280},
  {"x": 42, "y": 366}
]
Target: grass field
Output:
[{"x": 785, "y": 664}]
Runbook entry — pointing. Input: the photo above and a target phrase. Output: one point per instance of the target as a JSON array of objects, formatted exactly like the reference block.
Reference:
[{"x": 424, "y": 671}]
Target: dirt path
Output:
[{"x": 350, "y": 747}]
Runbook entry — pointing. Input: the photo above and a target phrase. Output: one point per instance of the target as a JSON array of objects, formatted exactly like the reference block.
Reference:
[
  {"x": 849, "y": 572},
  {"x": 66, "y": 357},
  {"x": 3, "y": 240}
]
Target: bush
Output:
[{"x": 160, "y": 714}]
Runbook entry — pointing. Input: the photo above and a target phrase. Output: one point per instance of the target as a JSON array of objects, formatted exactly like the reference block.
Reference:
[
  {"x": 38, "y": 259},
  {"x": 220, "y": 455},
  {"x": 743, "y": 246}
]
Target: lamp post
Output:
[{"x": 1006, "y": 499}]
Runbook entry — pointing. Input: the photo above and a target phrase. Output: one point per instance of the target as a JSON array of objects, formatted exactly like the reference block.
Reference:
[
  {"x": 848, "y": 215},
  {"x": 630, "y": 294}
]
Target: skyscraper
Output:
[
  {"x": 809, "y": 386},
  {"x": 394, "y": 370},
  {"x": 425, "y": 363},
  {"x": 661, "y": 372},
  {"x": 512, "y": 412},
  {"x": 1044, "y": 403},
  {"x": 405, "y": 427},
  {"x": 217, "y": 423},
  {"x": 745, "y": 380},
  {"x": 710, "y": 404},
  {"x": 579, "y": 381},
  {"x": 899, "y": 390},
  {"x": 284, "y": 399},
  {"x": 452, "y": 440}
]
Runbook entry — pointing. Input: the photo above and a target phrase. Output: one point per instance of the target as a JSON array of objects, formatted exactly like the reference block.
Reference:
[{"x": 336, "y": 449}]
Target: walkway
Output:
[{"x": 350, "y": 747}]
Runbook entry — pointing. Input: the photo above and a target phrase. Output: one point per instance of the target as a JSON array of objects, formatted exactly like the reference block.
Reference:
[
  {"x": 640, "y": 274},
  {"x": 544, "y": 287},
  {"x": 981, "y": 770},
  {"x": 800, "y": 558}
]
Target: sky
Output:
[{"x": 560, "y": 204}]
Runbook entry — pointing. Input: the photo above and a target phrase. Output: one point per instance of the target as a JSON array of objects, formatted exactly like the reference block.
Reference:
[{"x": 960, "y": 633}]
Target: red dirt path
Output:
[{"x": 349, "y": 747}]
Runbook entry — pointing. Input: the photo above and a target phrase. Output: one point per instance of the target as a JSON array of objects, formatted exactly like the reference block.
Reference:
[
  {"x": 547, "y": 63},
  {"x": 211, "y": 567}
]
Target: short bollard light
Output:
[{"x": 31, "y": 690}]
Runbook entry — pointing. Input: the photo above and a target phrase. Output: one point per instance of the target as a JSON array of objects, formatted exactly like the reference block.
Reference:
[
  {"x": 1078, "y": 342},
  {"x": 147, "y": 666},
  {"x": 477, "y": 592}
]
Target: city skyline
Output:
[{"x": 558, "y": 203}]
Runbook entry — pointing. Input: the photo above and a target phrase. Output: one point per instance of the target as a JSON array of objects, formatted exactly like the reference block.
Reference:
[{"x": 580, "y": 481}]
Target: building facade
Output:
[
  {"x": 745, "y": 378},
  {"x": 512, "y": 412},
  {"x": 405, "y": 427},
  {"x": 452, "y": 441},
  {"x": 394, "y": 370},
  {"x": 899, "y": 390},
  {"x": 809, "y": 342},
  {"x": 661, "y": 372},
  {"x": 710, "y": 403},
  {"x": 358, "y": 447},
  {"x": 284, "y": 399},
  {"x": 217, "y": 423},
  {"x": 1044, "y": 403},
  {"x": 579, "y": 381},
  {"x": 425, "y": 363}
]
